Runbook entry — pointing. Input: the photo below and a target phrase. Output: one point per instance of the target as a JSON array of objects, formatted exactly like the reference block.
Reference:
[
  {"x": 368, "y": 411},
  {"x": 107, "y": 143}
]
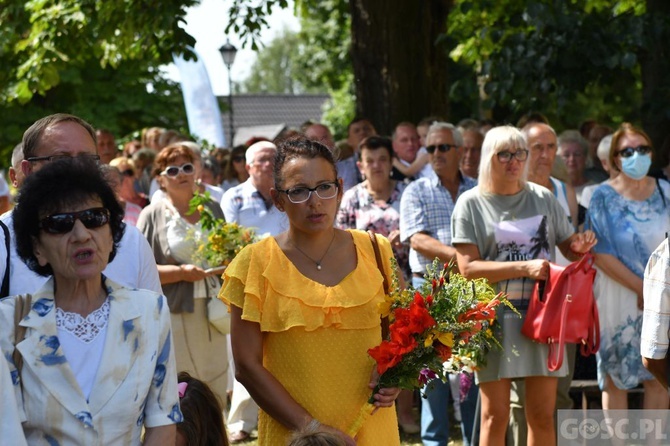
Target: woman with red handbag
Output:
[
  {"x": 629, "y": 214},
  {"x": 506, "y": 230}
]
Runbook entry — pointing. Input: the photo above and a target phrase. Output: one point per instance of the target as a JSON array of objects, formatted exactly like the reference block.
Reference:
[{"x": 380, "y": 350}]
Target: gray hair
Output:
[
  {"x": 604, "y": 147},
  {"x": 17, "y": 156},
  {"x": 441, "y": 126},
  {"x": 573, "y": 136},
  {"x": 253, "y": 150},
  {"x": 503, "y": 137}
]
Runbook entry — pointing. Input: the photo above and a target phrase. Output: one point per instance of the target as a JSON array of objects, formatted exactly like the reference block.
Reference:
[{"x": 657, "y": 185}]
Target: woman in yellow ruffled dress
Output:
[{"x": 304, "y": 312}]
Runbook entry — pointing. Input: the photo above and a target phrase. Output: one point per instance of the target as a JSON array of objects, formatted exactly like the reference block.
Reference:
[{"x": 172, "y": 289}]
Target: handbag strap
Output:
[
  {"x": 590, "y": 345},
  {"x": 22, "y": 306},
  {"x": 378, "y": 258},
  {"x": 4, "y": 290},
  {"x": 555, "y": 358}
]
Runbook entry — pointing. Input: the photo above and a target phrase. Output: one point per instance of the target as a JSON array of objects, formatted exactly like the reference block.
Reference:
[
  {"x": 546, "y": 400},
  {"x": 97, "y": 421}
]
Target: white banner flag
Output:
[{"x": 202, "y": 108}]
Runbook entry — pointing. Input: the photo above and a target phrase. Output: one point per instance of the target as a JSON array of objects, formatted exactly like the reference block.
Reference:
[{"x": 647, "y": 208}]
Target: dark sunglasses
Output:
[
  {"x": 627, "y": 152},
  {"x": 63, "y": 223},
  {"x": 441, "y": 147},
  {"x": 173, "y": 171},
  {"x": 239, "y": 158},
  {"x": 128, "y": 173}
]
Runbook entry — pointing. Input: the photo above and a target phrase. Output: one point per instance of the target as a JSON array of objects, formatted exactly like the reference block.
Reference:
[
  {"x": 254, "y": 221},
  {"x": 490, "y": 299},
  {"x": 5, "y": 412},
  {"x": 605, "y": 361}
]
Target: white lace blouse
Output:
[{"x": 82, "y": 340}]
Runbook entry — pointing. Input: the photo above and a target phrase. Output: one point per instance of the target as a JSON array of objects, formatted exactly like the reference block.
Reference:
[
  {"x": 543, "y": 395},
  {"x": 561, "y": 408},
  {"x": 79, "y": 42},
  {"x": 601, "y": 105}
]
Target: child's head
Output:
[
  {"x": 203, "y": 416},
  {"x": 312, "y": 435}
]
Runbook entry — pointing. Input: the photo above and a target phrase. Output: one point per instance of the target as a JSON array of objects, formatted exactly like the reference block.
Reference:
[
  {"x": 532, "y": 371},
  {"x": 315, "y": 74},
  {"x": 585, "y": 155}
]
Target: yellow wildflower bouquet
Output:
[{"x": 223, "y": 241}]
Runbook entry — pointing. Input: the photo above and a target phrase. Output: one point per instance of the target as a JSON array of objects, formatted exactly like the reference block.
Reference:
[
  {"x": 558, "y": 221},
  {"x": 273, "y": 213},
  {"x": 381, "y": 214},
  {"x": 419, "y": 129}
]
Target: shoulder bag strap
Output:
[
  {"x": 557, "y": 346},
  {"x": 378, "y": 258},
  {"x": 660, "y": 191},
  {"x": 4, "y": 290},
  {"x": 22, "y": 307}
]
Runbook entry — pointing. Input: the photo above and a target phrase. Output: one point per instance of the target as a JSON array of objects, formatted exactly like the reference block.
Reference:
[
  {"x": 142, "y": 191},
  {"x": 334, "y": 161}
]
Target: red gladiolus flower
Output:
[
  {"x": 443, "y": 351},
  {"x": 420, "y": 318},
  {"x": 482, "y": 311},
  {"x": 401, "y": 335},
  {"x": 386, "y": 356},
  {"x": 402, "y": 317}
]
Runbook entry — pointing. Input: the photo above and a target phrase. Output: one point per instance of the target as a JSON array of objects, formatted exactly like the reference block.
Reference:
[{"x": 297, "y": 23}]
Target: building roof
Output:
[{"x": 269, "y": 111}]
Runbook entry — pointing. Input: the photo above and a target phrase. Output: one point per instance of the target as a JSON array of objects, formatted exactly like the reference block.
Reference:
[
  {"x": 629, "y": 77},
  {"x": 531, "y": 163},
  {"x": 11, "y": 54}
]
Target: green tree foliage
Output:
[
  {"x": 112, "y": 98},
  {"x": 572, "y": 59},
  {"x": 314, "y": 60},
  {"x": 40, "y": 39},
  {"x": 276, "y": 69},
  {"x": 91, "y": 58}
]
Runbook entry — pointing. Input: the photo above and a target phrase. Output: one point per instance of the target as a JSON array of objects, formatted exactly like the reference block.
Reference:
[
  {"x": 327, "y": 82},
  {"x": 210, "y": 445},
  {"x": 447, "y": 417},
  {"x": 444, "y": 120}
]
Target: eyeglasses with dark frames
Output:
[
  {"x": 63, "y": 223},
  {"x": 87, "y": 156},
  {"x": 300, "y": 194},
  {"x": 441, "y": 147},
  {"x": 506, "y": 155},
  {"x": 627, "y": 152}
]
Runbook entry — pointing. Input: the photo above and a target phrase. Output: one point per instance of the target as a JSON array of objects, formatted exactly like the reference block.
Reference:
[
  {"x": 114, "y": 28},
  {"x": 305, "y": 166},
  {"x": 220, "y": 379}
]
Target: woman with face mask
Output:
[{"x": 630, "y": 215}]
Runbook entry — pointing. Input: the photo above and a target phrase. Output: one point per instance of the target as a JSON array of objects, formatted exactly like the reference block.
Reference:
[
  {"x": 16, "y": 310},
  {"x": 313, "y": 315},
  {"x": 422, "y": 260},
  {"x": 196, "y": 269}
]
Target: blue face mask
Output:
[{"x": 636, "y": 166}]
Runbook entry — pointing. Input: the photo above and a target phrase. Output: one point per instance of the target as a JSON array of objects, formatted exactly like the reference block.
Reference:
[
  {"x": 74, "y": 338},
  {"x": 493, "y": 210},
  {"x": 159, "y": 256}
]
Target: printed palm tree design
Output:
[
  {"x": 514, "y": 251},
  {"x": 540, "y": 241}
]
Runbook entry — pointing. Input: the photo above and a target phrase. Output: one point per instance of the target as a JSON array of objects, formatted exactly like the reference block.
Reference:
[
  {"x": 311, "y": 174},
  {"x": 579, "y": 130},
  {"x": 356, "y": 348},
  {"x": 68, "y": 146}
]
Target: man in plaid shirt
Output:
[{"x": 656, "y": 318}]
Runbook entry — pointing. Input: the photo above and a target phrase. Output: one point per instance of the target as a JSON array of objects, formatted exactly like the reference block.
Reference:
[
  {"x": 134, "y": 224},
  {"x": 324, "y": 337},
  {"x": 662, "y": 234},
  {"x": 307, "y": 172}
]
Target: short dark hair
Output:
[
  {"x": 374, "y": 143},
  {"x": 33, "y": 136},
  {"x": 357, "y": 119},
  {"x": 299, "y": 147},
  {"x": 203, "y": 423},
  {"x": 57, "y": 185}
]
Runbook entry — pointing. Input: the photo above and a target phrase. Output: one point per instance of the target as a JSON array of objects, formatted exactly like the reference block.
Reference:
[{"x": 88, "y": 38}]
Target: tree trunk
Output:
[
  {"x": 655, "y": 66},
  {"x": 400, "y": 60}
]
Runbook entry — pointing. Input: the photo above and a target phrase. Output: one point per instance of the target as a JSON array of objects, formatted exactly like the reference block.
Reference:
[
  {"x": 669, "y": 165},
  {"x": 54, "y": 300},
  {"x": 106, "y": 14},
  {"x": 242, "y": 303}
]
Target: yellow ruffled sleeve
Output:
[{"x": 235, "y": 290}]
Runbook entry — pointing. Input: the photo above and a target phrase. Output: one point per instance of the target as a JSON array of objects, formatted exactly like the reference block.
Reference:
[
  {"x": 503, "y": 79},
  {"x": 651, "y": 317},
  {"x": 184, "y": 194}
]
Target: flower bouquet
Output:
[
  {"x": 223, "y": 240},
  {"x": 446, "y": 326}
]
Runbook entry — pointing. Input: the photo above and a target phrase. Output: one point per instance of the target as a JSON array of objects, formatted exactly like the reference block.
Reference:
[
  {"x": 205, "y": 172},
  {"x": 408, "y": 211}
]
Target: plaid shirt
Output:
[
  {"x": 656, "y": 320},
  {"x": 426, "y": 206},
  {"x": 244, "y": 205}
]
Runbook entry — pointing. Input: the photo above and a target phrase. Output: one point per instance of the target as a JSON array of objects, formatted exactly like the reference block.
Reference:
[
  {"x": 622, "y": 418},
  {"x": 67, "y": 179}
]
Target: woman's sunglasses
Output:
[
  {"x": 173, "y": 171},
  {"x": 63, "y": 223},
  {"x": 627, "y": 152}
]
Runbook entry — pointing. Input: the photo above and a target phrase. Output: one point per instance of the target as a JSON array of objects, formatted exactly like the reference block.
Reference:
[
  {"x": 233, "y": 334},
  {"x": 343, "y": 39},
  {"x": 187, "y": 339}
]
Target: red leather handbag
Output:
[{"x": 563, "y": 310}]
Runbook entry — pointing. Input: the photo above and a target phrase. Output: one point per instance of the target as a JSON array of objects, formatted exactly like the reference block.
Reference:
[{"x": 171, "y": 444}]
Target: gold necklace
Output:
[{"x": 318, "y": 264}]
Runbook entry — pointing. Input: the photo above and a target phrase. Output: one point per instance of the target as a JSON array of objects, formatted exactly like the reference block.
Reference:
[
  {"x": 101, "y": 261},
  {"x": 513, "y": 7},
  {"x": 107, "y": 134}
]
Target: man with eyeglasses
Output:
[
  {"x": 62, "y": 136},
  {"x": 249, "y": 204},
  {"x": 425, "y": 223}
]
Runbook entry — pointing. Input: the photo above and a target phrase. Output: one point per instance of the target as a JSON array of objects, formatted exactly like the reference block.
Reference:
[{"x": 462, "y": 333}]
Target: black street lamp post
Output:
[{"x": 228, "y": 53}]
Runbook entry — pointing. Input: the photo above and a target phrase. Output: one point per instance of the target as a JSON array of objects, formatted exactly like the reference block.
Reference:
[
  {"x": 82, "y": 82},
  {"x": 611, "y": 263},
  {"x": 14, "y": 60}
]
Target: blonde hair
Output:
[
  {"x": 313, "y": 435},
  {"x": 496, "y": 140}
]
